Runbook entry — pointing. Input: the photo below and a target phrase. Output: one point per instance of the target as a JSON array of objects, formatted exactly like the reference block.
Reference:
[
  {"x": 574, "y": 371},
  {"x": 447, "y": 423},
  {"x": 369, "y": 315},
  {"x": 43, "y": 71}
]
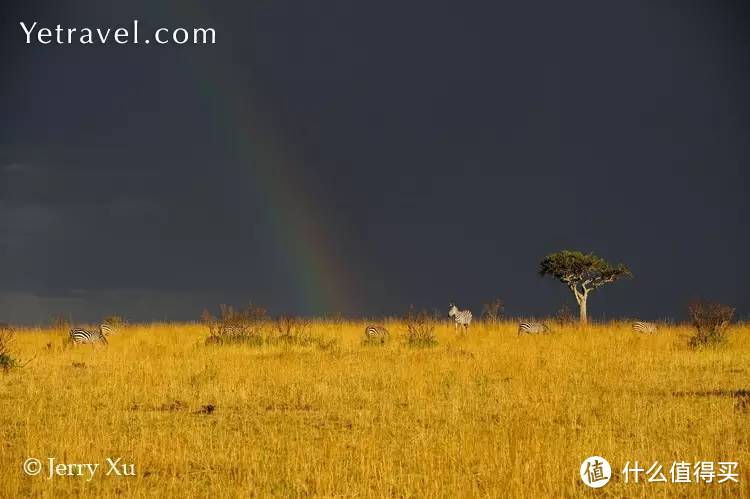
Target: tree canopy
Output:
[
  {"x": 587, "y": 270},
  {"x": 582, "y": 273}
]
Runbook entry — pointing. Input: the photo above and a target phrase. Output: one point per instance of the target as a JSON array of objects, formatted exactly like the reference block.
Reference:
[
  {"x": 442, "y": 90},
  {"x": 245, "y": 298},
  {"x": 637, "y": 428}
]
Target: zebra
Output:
[
  {"x": 81, "y": 336},
  {"x": 374, "y": 333},
  {"x": 233, "y": 329},
  {"x": 106, "y": 329},
  {"x": 645, "y": 327},
  {"x": 461, "y": 317},
  {"x": 533, "y": 328}
]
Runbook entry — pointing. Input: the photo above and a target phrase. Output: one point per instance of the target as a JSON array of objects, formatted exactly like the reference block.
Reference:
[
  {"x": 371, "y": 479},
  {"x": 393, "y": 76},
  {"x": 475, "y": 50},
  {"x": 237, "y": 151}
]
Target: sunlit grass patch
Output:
[{"x": 486, "y": 413}]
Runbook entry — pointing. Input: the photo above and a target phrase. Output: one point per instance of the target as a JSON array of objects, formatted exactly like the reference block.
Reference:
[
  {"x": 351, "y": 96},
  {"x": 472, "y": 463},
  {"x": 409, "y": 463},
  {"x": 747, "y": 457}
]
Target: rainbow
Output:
[{"x": 305, "y": 246}]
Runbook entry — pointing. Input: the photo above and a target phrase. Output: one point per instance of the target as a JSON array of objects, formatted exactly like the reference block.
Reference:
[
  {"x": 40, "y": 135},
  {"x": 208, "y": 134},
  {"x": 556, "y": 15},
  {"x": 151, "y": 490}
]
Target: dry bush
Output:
[
  {"x": 245, "y": 325},
  {"x": 7, "y": 358},
  {"x": 61, "y": 327},
  {"x": 298, "y": 331},
  {"x": 493, "y": 311},
  {"x": 565, "y": 316},
  {"x": 710, "y": 321},
  {"x": 420, "y": 328},
  {"x": 290, "y": 330},
  {"x": 252, "y": 326},
  {"x": 329, "y": 345}
]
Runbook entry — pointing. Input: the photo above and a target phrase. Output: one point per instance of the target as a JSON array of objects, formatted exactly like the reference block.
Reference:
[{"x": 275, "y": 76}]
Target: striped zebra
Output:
[
  {"x": 461, "y": 317},
  {"x": 81, "y": 336},
  {"x": 645, "y": 327},
  {"x": 106, "y": 329},
  {"x": 532, "y": 328},
  {"x": 232, "y": 329},
  {"x": 376, "y": 333}
]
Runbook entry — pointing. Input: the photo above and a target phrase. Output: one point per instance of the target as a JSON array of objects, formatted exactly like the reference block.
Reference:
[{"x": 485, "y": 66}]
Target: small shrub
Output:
[
  {"x": 7, "y": 362},
  {"x": 492, "y": 312},
  {"x": 246, "y": 325},
  {"x": 289, "y": 330},
  {"x": 7, "y": 359},
  {"x": 565, "y": 316},
  {"x": 710, "y": 321},
  {"x": 420, "y": 329},
  {"x": 329, "y": 345},
  {"x": 207, "y": 317},
  {"x": 61, "y": 327},
  {"x": 252, "y": 326}
]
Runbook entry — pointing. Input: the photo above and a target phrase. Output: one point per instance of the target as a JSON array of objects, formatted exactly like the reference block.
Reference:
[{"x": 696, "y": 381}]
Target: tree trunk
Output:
[{"x": 582, "y": 309}]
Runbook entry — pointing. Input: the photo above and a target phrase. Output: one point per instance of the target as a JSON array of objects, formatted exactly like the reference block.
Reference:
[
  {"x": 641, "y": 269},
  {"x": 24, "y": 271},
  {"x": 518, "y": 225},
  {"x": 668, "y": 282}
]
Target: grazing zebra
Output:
[
  {"x": 461, "y": 317},
  {"x": 375, "y": 333},
  {"x": 532, "y": 328},
  {"x": 233, "y": 329},
  {"x": 644, "y": 327},
  {"x": 106, "y": 329},
  {"x": 80, "y": 336}
]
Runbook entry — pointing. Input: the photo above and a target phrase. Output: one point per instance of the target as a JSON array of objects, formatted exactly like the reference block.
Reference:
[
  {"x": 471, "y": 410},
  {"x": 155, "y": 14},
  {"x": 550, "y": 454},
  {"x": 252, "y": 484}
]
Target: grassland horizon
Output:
[{"x": 488, "y": 413}]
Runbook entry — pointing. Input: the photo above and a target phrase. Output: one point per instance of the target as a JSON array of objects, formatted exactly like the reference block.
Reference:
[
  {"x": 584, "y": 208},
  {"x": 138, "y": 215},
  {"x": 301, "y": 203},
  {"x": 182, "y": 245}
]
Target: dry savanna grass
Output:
[{"x": 488, "y": 414}]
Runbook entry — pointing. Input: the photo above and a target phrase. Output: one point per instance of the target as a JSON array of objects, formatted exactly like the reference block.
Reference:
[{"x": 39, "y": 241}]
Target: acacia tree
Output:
[{"x": 582, "y": 273}]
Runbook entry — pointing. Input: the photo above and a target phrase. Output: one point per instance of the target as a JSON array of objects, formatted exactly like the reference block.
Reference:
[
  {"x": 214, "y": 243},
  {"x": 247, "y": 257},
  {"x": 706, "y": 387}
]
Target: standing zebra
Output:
[
  {"x": 644, "y": 327},
  {"x": 375, "y": 333},
  {"x": 81, "y": 336},
  {"x": 532, "y": 328},
  {"x": 461, "y": 317}
]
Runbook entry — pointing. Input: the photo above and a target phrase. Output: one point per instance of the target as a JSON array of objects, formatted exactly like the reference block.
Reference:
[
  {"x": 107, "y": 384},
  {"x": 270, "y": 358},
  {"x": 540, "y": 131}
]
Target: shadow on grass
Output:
[
  {"x": 741, "y": 397},
  {"x": 742, "y": 393}
]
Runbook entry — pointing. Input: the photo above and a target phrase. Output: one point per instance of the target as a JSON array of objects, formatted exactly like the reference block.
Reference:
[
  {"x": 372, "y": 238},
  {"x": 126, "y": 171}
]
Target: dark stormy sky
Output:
[{"x": 358, "y": 157}]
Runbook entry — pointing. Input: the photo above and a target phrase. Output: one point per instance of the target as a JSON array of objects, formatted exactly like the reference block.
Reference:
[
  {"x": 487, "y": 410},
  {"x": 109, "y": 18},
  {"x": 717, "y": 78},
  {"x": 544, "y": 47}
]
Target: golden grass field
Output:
[{"x": 490, "y": 414}]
